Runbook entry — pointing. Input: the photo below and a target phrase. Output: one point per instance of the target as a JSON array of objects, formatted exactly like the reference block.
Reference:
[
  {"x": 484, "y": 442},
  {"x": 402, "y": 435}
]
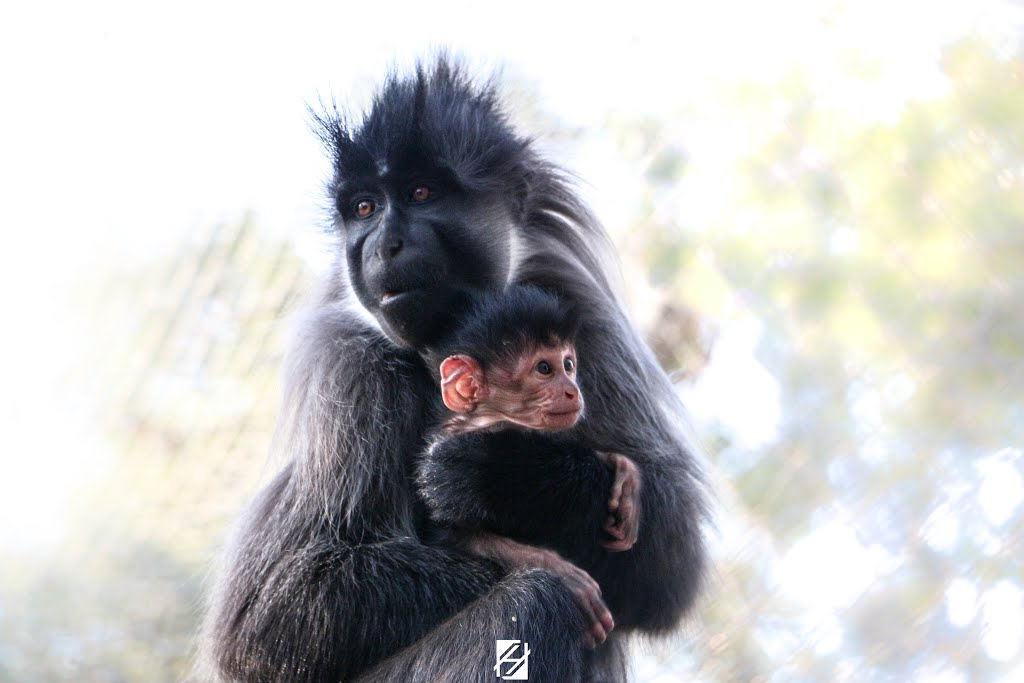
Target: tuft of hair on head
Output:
[
  {"x": 499, "y": 326},
  {"x": 437, "y": 112}
]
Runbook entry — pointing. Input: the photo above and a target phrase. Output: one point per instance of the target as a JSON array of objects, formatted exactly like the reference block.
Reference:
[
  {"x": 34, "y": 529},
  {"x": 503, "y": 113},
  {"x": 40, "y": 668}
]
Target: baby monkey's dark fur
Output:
[
  {"x": 498, "y": 326},
  {"x": 501, "y": 341}
]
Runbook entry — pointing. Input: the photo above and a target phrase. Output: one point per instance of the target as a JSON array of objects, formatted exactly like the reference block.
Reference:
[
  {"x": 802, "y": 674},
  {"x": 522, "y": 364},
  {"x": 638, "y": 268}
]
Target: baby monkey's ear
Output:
[{"x": 462, "y": 383}]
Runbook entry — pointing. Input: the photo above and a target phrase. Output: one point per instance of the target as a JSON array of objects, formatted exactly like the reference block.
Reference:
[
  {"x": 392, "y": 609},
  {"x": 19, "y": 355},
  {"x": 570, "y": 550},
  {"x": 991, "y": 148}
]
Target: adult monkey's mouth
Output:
[
  {"x": 393, "y": 291},
  {"x": 397, "y": 296},
  {"x": 414, "y": 315}
]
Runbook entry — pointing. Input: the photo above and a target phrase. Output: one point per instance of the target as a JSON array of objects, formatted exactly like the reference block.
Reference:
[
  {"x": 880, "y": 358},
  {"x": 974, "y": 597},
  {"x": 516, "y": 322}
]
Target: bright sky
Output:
[
  {"x": 127, "y": 125},
  {"x": 127, "y": 122}
]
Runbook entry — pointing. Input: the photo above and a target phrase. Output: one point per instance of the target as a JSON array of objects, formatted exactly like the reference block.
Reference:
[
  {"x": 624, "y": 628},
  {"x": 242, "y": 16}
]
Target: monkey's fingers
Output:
[
  {"x": 620, "y": 540},
  {"x": 599, "y": 619},
  {"x": 596, "y": 632},
  {"x": 591, "y": 588},
  {"x": 628, "y": 514},
  {"x": 616, "y": 492},
  {"x": 623, "y": 531},
  {"x": 595, "y": 636},
  {"x": 618, "y": 545},
  {"x": 613, "y": 527},
  {"x": 603, "y": 622}
]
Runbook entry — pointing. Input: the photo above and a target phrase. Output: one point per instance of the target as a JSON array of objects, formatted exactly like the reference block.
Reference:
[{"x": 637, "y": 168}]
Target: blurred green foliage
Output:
[{"x": 883, "y": 263}]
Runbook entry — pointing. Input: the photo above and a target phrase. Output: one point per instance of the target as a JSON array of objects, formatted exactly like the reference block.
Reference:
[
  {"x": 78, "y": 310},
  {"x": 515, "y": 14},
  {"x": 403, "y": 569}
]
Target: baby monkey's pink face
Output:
[{"x": 537, "y": 389}]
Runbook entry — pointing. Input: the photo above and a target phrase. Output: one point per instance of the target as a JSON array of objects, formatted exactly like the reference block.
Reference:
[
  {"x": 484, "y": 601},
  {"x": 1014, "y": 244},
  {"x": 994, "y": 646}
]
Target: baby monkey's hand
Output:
[{"x": 623, "y": 522}]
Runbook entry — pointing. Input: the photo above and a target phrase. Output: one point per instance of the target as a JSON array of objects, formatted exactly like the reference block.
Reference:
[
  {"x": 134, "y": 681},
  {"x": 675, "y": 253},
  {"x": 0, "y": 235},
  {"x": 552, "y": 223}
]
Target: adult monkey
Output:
[{"x": 327, "y": 579}]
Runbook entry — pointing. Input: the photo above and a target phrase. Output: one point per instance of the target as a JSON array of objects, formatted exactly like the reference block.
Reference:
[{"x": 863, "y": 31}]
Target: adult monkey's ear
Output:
[{"x": 462, "y": 383}]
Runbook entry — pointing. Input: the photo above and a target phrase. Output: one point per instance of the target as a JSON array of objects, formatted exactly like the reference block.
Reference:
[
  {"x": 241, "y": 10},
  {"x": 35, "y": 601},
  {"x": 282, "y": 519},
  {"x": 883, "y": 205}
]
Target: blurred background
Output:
[{"x": 820, "y": 212}]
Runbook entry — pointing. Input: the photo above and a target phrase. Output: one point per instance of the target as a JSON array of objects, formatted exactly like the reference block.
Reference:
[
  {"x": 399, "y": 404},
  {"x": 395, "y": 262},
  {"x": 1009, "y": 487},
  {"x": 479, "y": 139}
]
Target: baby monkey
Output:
[{"x": 508, "y": 374}]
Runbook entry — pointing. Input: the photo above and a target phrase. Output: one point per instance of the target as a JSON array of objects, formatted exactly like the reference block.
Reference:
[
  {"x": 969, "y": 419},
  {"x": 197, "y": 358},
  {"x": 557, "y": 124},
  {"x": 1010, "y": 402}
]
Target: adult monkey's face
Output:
[
  {"x": 416, "y": 244},
  {"x": 429, "y": 190}
]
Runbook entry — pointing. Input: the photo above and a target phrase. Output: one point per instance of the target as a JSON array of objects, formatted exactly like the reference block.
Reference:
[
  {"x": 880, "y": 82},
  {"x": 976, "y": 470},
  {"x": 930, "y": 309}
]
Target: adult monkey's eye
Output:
[
  {"x": 365, "y": 207},
  {"x": 420, "y": 193},
  {"x": 568, "y": 364},
  {"x": 544, "y": 367}
]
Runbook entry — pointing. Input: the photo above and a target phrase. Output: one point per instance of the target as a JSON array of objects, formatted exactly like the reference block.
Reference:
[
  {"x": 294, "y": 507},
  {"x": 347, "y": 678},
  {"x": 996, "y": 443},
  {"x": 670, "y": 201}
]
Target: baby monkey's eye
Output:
[
  {"x": 544, "y": 367},
  {"x": 568, "y": 364}
]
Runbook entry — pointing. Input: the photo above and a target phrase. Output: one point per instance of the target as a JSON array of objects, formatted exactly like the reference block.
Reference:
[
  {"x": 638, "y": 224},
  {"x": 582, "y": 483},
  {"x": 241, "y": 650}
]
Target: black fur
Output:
[
  {"x": 498, "y": 327},
  {"x": 542, "y": 489},
  {"x": 327, "y": 578}
]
